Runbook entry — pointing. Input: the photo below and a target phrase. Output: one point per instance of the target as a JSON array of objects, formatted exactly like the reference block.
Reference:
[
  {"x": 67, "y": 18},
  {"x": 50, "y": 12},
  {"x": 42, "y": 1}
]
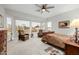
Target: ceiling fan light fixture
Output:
[{"x": 43, "y": 10}]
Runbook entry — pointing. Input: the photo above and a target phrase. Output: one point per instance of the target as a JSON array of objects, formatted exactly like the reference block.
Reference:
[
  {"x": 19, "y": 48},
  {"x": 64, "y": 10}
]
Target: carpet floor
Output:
[{"x": 33, "y": 46}]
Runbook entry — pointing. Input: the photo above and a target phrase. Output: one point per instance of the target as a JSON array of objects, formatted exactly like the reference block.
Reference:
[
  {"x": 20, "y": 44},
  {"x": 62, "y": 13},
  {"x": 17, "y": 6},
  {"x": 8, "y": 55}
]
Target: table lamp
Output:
[{"x": 75, "y": 24}]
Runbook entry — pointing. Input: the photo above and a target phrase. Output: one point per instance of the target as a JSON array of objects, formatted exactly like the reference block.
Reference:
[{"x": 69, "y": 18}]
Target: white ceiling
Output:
[{"x": 31, "y": 9}]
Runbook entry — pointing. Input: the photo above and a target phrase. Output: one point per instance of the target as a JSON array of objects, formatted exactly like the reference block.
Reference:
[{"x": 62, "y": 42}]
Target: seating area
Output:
[{"x": 22, "y": 36}]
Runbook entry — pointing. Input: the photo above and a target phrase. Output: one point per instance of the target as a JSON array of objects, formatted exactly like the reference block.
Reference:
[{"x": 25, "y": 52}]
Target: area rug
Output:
[{"x": 54, "y": 51}]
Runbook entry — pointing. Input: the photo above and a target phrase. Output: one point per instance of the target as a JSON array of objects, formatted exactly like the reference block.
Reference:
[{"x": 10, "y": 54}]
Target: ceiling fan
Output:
[{"x": 44, "y": 8}]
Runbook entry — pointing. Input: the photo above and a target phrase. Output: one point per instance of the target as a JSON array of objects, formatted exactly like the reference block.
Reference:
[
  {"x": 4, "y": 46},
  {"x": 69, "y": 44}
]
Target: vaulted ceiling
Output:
[{"x": 31, "y": 9}]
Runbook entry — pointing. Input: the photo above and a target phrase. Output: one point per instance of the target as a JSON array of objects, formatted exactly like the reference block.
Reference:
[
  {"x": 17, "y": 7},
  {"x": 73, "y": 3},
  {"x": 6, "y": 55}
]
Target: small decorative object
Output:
[
  {"x": 1, "y": 21},
  {"x": 64, "y": 24}
]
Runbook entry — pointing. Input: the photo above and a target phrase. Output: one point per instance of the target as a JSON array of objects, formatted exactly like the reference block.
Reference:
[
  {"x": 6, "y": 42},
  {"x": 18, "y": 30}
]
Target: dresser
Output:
[
  {"x": 3, "y": 42},
  {"x": 71, "y": 48}
]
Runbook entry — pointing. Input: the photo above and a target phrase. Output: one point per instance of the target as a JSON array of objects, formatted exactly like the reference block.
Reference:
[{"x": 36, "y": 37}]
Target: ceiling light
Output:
[{"x": 43, "y": 10}]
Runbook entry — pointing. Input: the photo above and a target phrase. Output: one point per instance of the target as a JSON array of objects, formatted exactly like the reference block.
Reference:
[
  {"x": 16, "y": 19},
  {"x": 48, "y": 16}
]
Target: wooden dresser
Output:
[
  {"x": 3, "y": 42},
  {"x": 71, "y": 48}
]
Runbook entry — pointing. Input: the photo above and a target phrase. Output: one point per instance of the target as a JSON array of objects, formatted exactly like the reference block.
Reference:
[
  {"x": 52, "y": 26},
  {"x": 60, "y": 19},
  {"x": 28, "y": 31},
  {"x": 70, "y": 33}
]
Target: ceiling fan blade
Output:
[
  {"x": 45, "y": 5},
  {"x": 38, "y": 5},
  {"x": 50, "y": 7}
]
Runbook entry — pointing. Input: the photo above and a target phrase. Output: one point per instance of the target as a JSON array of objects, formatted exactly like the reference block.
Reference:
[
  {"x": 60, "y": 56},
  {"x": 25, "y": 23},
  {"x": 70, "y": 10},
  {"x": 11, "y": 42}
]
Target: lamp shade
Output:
[{"x": 75, "y": 23}]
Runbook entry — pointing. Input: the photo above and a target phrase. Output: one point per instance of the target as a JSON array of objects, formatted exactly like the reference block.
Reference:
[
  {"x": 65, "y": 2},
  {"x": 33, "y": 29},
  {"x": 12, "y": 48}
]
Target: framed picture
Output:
[
  {"x": 1, "y": 21},
  {"x": 64, "y": 24}
]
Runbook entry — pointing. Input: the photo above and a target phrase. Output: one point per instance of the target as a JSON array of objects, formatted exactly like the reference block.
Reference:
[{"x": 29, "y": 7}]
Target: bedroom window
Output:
[
  {"x": 22, "y": 23},
  {"x": 35, "y": 26},
  {"x": 49, "y": 26},
  {"x": 9, "y": 28}
]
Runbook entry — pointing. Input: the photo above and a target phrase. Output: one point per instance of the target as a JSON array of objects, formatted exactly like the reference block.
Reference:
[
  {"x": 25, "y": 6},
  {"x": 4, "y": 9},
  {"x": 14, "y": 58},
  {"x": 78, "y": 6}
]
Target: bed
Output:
[{"x": 55, "y": 39}]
